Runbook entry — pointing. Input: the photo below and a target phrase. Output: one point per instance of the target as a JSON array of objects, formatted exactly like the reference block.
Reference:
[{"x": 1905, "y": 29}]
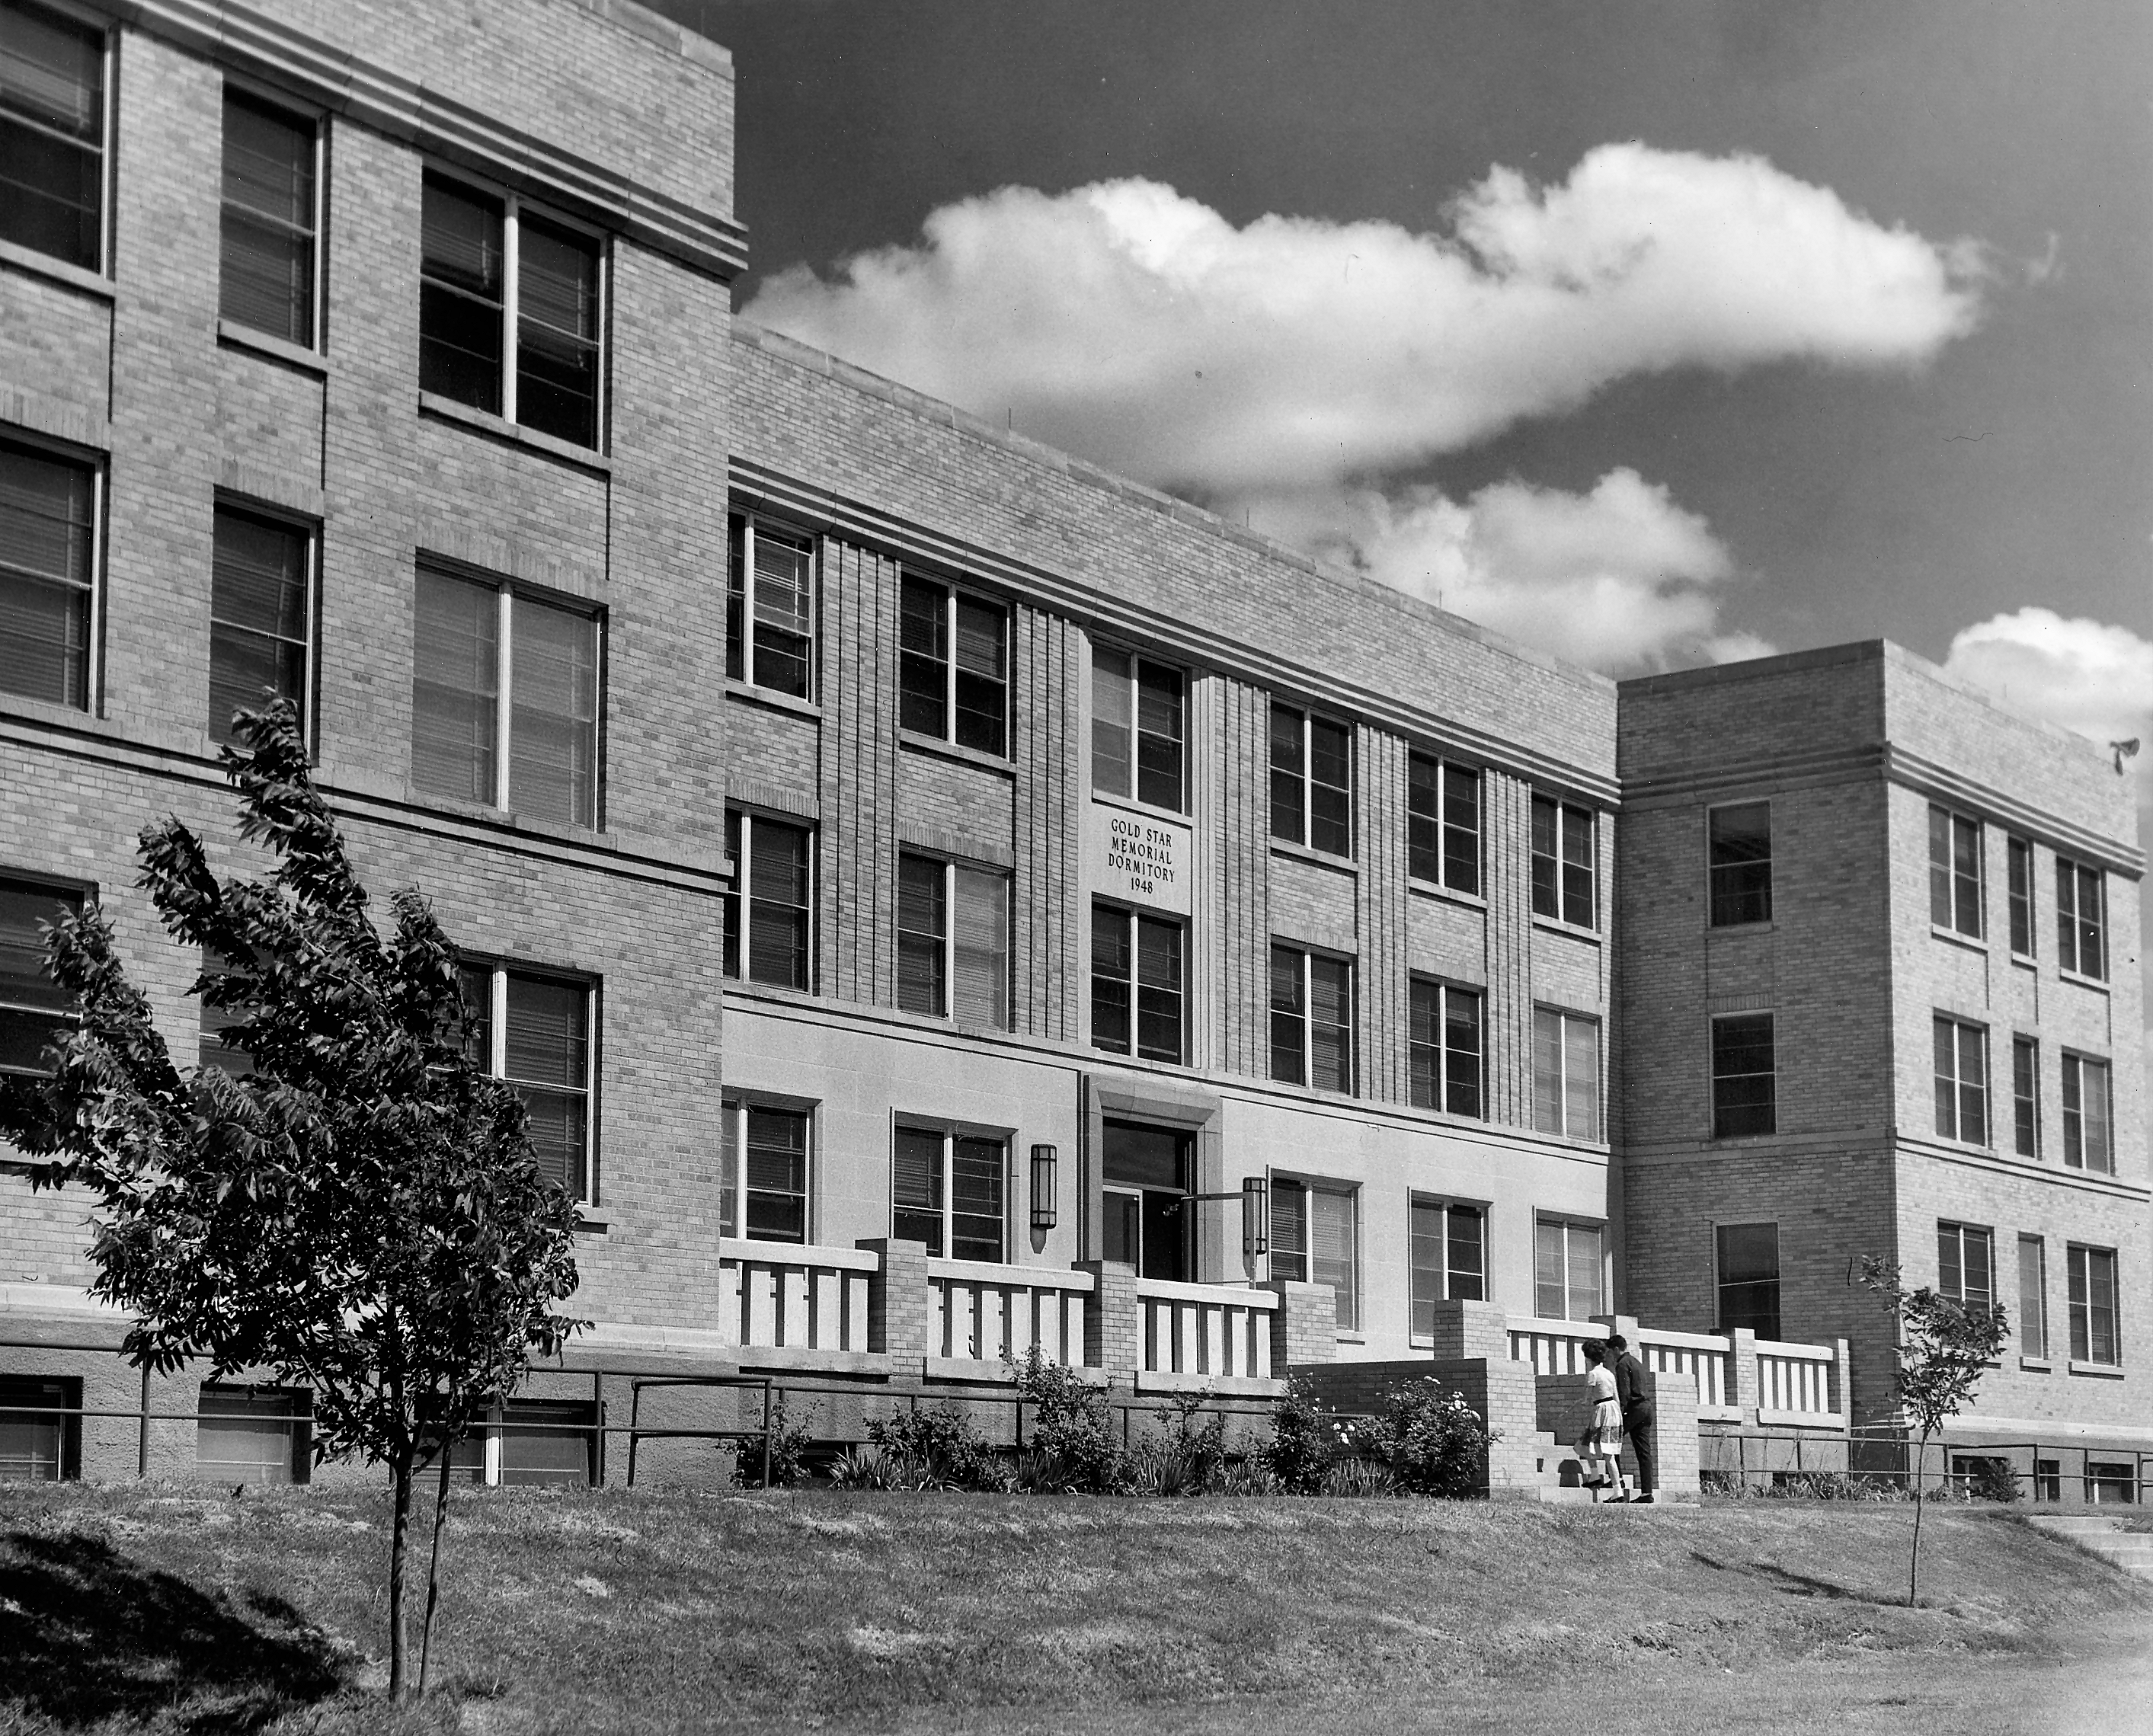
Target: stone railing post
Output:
[
  {"x": 1112, "y": 1324},
  {"x": 1744, "y": 1395},
  {"x": 1842, "y": 1375},
  {"x": 1675, "y": 1434},
  {"x": 1466, "y": 1330},
  {"x": 1304, "y": 1326},
  {"x": 900, "y": 1307}
]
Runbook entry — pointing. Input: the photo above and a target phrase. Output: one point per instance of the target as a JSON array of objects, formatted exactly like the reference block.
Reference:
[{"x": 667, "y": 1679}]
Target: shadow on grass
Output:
[
  {"x": 86, "y": 1635},
  {"x": 1797, "y": 1584}
]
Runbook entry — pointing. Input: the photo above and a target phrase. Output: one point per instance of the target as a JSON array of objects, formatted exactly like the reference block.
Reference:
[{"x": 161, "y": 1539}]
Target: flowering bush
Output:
[
  {"x": 1307, "y": 1439},
  {"x": 1433, "y": 1442},
  {"x": 936, "y": 1449},
  {"x": 1073, "y": 1441}
]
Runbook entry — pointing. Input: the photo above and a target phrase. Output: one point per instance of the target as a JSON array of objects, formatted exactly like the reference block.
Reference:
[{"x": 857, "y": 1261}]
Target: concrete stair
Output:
[
  {"x": 1558, "y": 1470},
  {"x": 2132, "y": 1551}
]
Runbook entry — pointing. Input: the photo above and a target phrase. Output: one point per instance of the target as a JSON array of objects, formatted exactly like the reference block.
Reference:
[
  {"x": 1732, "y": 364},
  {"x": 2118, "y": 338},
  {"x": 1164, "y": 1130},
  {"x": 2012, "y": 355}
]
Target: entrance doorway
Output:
[{"x": 1145, "y": 1173}]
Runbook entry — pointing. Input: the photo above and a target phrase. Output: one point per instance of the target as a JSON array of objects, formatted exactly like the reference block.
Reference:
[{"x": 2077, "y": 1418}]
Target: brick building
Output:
[{"x": 917, "y": 879}]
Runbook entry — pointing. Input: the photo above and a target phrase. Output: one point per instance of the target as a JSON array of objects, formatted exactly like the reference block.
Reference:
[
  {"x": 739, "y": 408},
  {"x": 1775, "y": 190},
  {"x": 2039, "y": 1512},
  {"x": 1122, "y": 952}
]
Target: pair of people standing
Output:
[{"x": 1621, "y": 1403}]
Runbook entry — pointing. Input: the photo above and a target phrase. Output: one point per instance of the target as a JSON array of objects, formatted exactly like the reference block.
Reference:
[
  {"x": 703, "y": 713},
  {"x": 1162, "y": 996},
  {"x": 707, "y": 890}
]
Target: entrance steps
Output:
[
  {"x": 1558, "y": 1483},
  {"x": 2132, "y": 1551}
]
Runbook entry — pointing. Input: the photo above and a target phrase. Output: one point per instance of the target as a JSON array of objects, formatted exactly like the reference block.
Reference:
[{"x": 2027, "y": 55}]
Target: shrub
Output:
[
  {"x": 1071, "y": 1435},
  {"x": 1360, "y": 1477},
  {"x": 1433, "y": 1442},
  {"x": 1307, "y": 1439},
  {"x": 788, "y": 1443},
  {"x": 1989, "y": 1478},
  {"x": 937, "y": 1448}
]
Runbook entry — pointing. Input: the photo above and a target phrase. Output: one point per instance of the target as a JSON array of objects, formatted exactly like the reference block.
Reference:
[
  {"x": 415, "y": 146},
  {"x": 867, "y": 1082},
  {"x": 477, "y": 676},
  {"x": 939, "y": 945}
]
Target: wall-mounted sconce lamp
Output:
[
  {"x": 1255, "y": 1218},
  {"x": 1042, "y": 1186}
]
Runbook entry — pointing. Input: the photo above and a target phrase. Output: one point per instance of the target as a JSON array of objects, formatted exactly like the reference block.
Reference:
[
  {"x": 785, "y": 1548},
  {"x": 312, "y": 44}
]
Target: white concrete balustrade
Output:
[
  {"x": 787, "y": 1296},
  {"x": 1552, "y": 1346},
  {"x": 1798, "y": 1383},
  {"x": 1707, "y": 1359},
  {"x": 1792, "y": 1384},
  {"x": 991, "y": 1313},
  {"x": 1217, "y": 1331}
]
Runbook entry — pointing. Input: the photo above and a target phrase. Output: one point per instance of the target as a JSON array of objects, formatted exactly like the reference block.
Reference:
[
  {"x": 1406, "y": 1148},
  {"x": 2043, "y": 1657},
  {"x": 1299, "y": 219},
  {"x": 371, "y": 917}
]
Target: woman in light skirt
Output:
[{"x": 1600, "y": 1451}]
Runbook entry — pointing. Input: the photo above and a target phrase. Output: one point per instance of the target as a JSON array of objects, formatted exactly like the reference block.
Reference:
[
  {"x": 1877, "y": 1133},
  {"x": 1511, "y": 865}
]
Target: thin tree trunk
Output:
[
  {"x": 434, "y": 1570},
  {"x": 399, "y": 1542},
  {"x": 1914, "y": 1566}
]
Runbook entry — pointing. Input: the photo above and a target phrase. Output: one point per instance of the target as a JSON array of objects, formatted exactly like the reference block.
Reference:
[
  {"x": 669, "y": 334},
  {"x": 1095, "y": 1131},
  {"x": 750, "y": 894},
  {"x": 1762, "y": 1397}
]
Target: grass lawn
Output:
[{"x": 170, "y": 1609}]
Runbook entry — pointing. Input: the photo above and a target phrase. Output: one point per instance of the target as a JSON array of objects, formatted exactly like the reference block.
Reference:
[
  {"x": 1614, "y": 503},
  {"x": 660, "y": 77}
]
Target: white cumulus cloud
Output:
[{"x": 2088, "y": 676}]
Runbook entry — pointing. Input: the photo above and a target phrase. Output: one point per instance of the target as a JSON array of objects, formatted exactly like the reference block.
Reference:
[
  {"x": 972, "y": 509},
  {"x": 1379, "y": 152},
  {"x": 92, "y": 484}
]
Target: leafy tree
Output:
[
  {"x": 1943, "y": 1346},
  {"x": 351, "y": 1202}
]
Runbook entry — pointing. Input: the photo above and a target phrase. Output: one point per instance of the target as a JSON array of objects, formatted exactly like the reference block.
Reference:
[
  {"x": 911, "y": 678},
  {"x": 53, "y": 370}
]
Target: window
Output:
[
  {"x": 1136, "y": 729},
  {"x": 1136, "y": 966},
  {"x": 1749, "y": 1258},
  {"x": 1954, "y": 871},
  {"x": 1311, "y": 781},
  {"x": 261, "y": 612},
  {"x": 2081, "y": 919},
  {"x": 2086, "y": 1119},
  {"x": 33, "y": 1009},
  {"x": 2110, "y": 1481},
  {"x": 252, "y": 1434},
  {"x": 947, "y": 1191},
  {"x": 48, "y": 563},
  {"x": 1315, "y": 1233},
  {"x": 1566, "y": 1073},
  {"x": 52, "y": 134},
  {"x": 1566, "y": 1269},
  {"x": 213, "y": 1047},
  {"x": 534, "y": 1032},
  {"x": 1443, "y": 1050},
  {"x": 267, "y": 279},
  {"x": 767, "y": 940},
  {"x": 1311, "y": 1019},
  {"x": 2020, "y": 856},
  {"x": 1442, "y": 823},
  {"x": 962, "y": 698},
  {"x": 762, "y": 1180},
  {"x": 505, "y": 700},
  {"x": 1145, "y": 1173},
  {"x": 1966, "y": 1264},
  {"x": 529, "y": 1441},
  {"x": 1563, "y": 863},
  {"x": 1744, "y": 1086},
  {"x": 1961, "y": 1081},
  {"x": 509, "y": 311},
  {"x": 1450, "y": 1258},
  {"x": 1741, "y": 851},
  {"x": 779, "y": 653},
  {"x": 2032, "y": 1296},
  {"x": 953, "y": 941},
  {"x": 2048, "y": 1479},
  {"x": 40, "y": 1432},
  {"x": 2025, "y": 1096},
  {"x": 2093, "y": 1305}
]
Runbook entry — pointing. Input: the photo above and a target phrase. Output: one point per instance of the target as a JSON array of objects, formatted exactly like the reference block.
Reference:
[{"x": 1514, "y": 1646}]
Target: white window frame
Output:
[
  {"x": 1137, "y": 661},
  {"x": 2074, "y": 1081},
  {"x": 1350, "y": 1304},
  {"x": 733, "y": 1106},
  {"x": 108, "y": 144},
  {"x": 1567, "y": 1222},
  {"x": 2016, "y": 849},
  {"x": 811, "y": 546},
  {"x": 1963, "y": 1233},
  {"x": 1711, "y": 868},
  {"x": 2071, "y": 959},
  {"x": 1953, "y": 819},
  {"x": 1567, "y": 1016},
  {"x": 310, "y": 532},
  {"x": 2033, "y": 1318},
  {"x": 1957, "y": 1131},
  {"x": 1444, "y": 989},
  {"x": 1417, "y": 1201},
  {"x": 743, "y": 897},
  {"x": 1565, "y": 812},
  {"x": 1309, "y": 715},
  {"x": 2031, "y": 1045},
  {"x": 97, "y": 464},
  {"x": 2079, "y": 1256},
  {"x": 1442, "y": 822},
  {"x": 949, "y": 1132},
  {"x": 951, "y": 868},
  {"x": 1306, "y": 954},
  {"x": 269, "y": 97},
  {"x": 498, "y": 971},
  {"x": 950, "y": 593}
]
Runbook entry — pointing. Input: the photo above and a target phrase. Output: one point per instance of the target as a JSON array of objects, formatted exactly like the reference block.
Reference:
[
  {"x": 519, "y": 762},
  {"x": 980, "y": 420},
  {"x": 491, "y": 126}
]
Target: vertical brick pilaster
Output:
[
  {"x": 900, "y": 1307},
  {"x": 1048, "y": 817},
  {"x": 1304, "y": 1326},
  {"x": 1745, "y": 1371},
  {"x": 856, "y": 843},
  {"x": 1508, "y": 821},
  {"x": 1471, "y": 1329},
  {"x": 1113, "y": 1330},
  {"x": 1380, "y": 916},
  {"x": 1674, "y": 1433}
]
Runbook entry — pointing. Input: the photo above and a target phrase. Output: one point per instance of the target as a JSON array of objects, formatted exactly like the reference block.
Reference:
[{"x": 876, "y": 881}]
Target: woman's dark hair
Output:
[{"x": 1594, "y": 1350}]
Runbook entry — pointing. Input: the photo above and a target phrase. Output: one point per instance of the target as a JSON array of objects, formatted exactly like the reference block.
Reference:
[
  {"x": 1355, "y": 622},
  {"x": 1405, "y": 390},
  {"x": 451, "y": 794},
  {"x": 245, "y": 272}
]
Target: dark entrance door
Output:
[{"x": 1145, "y": 1172}]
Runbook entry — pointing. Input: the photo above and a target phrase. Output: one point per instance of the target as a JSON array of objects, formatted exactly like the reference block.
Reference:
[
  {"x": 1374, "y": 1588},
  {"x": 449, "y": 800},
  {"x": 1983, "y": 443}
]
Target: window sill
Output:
[
  {"x": 35, "y": 264},
  {"x": 1355, "y": 1336},
  {"x": 2037, "y": 1365},
  {"x": 479, "y": 421},
  {"x": 748, "y": 692},
  {"x": 1556, "y": 925},
  {"x": 1137, "y": 804},
  {"x": 1952, "y": 937},
  {"x": 918, "y": 743},
  {"x": 1436, "y": 889},
  {"x": 276, "y": 350},
  {"x": 1765, "y": 926},
  {"x": 2094, "y": 983},
  {"x": 508, "y": 819},
  {"x": 2026, "y": 960},
  {"x": 2099, "y": 1370},
  {"x": 1321, "y": 859},
  {"x": 591, "y": 1223}
]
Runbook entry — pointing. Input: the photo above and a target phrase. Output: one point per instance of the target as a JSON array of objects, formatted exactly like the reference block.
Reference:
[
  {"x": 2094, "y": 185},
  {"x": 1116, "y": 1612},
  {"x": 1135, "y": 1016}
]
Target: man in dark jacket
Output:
[{"x": 1633, "y": 1390}]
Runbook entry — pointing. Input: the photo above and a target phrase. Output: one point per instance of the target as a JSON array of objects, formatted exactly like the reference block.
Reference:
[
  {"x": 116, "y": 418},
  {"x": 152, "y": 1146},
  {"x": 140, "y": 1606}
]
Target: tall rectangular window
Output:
[
  {"x": 1748, "y": 1261},
  {"x": 1442, "y": 823},
  {"x": 2025, "y": 1096},
  {"x": 953, "y": 941},
  {"x": 1966, "y": 1264},
  {"x": 47, "y": 575},
  {"x": 2032, "y": 1296},
  {"x": 1954, "y": 871},
  {"x": 2087, "y": 1122},
  {"x": 1566, "y": 1073},
  {"x": 261, "y": 616},
  {"x": 505, "y": 700},
  {"x": 510, "y": 311},
  {"x": 770, "y": 621},
  {"x": 1311, "y": 1019},
  {"x": 953, "y": 667},
  {"x": 1136, "y": 987},
  {"x": 767, "y": 913},
  {"x": 33, "y": 1009},
  {"x": 762, "y": 1173},
  {"x": 1962, "y": 1057},
  {"x": 534, "y": 1031},
  {"x": 1311, "y": 781},
  {"x": 52, "y": 134},
  {"x": 265, "y": 279},
  {"x": 1444, "y": 1047},
  {"x": 2095, "y": 1335},
  {"x": 1450, "y": 1258},
  {"x": 2081, "y": 919},
  {"x": 1136, "y": 729},
  {"x": 2019, "y": 857},
  {"x": 947, "y": 1190},
  {"x": 1567, "y": 1269},
  {"x": 1315, "y": 1239},
  {"x": 1745, "y": 1080},
  {"x": 1740, "y": 847},
  {"x": 1563, "y": 865}
]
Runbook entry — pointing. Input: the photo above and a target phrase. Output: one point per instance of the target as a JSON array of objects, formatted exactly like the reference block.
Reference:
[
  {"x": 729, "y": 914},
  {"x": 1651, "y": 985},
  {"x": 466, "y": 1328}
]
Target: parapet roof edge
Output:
[
  {"x": 862, "y": 379},
  {"x": 685, "y": 40}
]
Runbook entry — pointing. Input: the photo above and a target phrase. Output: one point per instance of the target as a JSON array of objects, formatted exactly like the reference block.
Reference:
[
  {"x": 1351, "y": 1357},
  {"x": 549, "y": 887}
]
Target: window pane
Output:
[
  {"x": 46, "y": 509},
  {"x": 1577, "y": 868},
  {"x": 1940, "y": 868},
  {"x": 1290, "y": 1231},
  {"x": 258, "y": 625},
  {"x": 32, "y": 1007},
  {"x": 1966, "y": 875},
  {"x": 2094, "y": 1115},
  {"x": 1158, "y": 989},
  {"x": 1461, "y": 829},
  {"x": 460, "y": 312},
  {"x": 981, "y": 948},
  {"x": 1584, "y": 1271},
  {"x": 1289, "y": 791},
  {"x": 546, "y": 1039},
  {"x": 556, "y": 336},
  {"x": 982, "y": 676},
  {"x": 2033, "y": 1297},
  {"x": 1580, "y": 1084},
  {"x": 1331, "y": 1251},
  {"x": 922, "y": 928},
  {"x": 976, "y": 1169},
  {"x": 777, "y": 1175},
  {"x": 1750, "y": 1277},
  {"x": 1547, "y": 1070},
  {"x": 922, "y": 661},
  {"x": 1461, "y": 1043},
  {"x": 1113, "y": 723},
  {"x": 1330, "y": 1024},
  {"x": 1330, "y": 787},
  {"x": 1110, "y": 978},
  {"x": 1289, "y": 1012},
  {"x": 1743, "y": 1081},
  {"x": 916, "y": 1187},
  {"x": 1741, "y": 847},
  {"x": 1547, "y": 890},
  {"x": 2021, "y": 857},
  {"x": 1551, "y": 1267},
  {"x": 52, "y": 129},
  {"x": 454, "y": 687},
  {"x": 1468, "y": 1254},
  {"x": 1424, "y": 1045},
  {"x": 1158, "y": 736},
  {"x": 1426, "y": 1240},
  {"x": 777, "y": 905},
  {"x": 2025, "y": 1096},
  {"x": 267, "y": 279},
  {"x": 784, "y": 614},
  {"x": 1423, "y": 818},
  {"x": 554, "y": 732}
]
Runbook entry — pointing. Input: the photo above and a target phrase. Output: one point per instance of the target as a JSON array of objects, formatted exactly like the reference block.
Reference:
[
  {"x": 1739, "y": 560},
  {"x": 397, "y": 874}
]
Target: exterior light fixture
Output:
[
  {"x": 1042, "y": 1186},
  {"x": 1255, "y": 1218}
]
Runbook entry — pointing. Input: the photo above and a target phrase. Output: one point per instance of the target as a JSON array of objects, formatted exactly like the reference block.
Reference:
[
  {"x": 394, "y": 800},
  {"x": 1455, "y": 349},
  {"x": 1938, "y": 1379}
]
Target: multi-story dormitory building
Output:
[{"x": 918, "y": 880}]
